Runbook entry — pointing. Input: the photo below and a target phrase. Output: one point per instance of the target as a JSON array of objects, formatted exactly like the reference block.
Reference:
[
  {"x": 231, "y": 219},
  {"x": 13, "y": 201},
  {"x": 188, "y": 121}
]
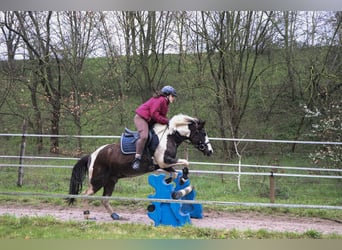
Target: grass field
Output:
[{"x": 209, "y": 187}]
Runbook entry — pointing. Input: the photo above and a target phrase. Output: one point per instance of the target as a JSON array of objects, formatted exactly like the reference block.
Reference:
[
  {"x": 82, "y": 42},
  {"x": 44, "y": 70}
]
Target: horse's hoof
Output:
[
  {"x": 168, "y": 180},
  {"x": 86, "y": 215},
  {"x": 176, "y": 195},
  {"x": 115, "y": 216}
]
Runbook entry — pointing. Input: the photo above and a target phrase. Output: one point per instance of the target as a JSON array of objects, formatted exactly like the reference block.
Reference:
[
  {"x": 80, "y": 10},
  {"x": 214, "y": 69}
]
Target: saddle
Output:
[{"x": 129, "y": 138}]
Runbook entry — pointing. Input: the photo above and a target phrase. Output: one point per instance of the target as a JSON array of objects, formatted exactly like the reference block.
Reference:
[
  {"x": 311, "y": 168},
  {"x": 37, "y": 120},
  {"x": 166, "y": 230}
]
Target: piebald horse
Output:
[{"x": 107, "y": 164}]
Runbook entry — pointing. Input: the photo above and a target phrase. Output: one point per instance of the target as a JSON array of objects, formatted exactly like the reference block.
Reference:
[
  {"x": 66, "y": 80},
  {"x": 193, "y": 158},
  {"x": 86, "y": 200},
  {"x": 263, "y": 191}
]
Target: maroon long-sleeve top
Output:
[{"x": 154, "y": 110}]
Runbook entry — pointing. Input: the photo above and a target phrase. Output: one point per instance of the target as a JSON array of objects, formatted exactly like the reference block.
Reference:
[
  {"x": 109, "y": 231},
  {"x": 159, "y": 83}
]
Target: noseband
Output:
[
  {"x": 201, "y": 146},
  {"x": 180, "y": 138}
]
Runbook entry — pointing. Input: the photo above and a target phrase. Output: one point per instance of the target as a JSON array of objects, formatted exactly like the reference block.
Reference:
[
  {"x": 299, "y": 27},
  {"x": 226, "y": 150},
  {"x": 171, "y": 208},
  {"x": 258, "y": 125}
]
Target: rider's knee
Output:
[{"x": 143, "y": 137}]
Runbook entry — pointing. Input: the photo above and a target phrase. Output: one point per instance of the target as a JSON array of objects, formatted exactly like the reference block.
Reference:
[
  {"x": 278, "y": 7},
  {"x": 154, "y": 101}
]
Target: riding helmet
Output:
[{"x": 169, "y": 90}]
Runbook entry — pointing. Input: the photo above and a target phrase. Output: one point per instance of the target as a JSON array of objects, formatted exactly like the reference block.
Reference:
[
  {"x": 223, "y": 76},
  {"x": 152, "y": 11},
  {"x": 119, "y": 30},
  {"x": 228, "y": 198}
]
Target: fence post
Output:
[
  {"x": 22, "y": 153},
  {"x": 272, "y": 189}
]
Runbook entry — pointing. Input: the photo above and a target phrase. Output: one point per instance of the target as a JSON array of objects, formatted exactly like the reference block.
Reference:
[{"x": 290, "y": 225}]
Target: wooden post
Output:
[
  {"x": 272, "y": 188},
  {"x": 22, "y": 153}
]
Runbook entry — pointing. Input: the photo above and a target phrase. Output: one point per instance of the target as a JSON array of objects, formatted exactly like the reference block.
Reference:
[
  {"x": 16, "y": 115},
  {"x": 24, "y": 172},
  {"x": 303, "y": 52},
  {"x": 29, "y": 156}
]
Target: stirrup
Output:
[{"x": 136, "y": 164}]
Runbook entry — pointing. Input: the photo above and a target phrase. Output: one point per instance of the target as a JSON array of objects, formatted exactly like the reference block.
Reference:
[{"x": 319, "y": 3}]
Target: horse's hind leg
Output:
[
  {"x": 94, "y": 186},
  {"x": 107, "y": 191},
  {"x": 86, "y": 213}
]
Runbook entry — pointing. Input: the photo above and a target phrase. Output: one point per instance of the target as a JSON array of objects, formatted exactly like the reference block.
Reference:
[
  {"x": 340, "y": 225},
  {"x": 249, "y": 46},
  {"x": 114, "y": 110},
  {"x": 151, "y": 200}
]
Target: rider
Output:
[{"x": 152, "y": 111}]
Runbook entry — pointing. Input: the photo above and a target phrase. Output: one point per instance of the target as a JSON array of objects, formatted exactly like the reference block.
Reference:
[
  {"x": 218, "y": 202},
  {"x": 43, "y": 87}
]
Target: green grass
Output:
[
  {"x": 49, "y": 228},
  {"x": 212, "y": 187},
  {"x": 209, "y": 187}
]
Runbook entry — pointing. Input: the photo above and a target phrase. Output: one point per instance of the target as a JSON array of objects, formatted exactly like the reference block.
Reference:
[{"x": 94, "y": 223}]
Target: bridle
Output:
[{"x": 201, "y": 146}]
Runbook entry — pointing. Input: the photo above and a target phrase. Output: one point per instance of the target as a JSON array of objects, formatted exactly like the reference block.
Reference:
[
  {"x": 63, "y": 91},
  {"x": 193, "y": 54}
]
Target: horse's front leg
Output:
[
  {"x": 183, "y": 162},
  {"x": 173, "y": 174},
  {"x": 172, "y": 162},
  {"x": 170, "y": 173},
  {"x": 185, "y": 175}
]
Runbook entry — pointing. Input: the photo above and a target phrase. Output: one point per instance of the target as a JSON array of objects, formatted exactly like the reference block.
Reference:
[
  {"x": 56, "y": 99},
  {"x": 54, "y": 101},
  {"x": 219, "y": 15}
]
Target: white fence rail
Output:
[
  {"x": 203, "y": 202},
  {"x": 271, "y": 172},
  {"x": 211, "y": 138},
  {"x": 202, "y": 171}
]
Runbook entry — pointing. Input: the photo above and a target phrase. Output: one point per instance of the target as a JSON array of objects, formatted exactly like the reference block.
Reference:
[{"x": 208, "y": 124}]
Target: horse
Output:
[{"x": 107, "y": 164}]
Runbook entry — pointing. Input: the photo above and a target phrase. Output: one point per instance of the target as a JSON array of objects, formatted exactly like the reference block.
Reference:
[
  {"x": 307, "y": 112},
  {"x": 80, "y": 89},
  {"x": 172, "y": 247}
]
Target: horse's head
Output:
[
  {"x": 199, "y": 137},
  {"x": 193, "y": 130}
]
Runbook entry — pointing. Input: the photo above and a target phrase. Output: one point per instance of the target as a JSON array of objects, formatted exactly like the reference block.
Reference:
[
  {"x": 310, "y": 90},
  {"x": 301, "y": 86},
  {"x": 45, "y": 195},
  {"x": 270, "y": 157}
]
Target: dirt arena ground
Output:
[{"x": 212, "y": 219}]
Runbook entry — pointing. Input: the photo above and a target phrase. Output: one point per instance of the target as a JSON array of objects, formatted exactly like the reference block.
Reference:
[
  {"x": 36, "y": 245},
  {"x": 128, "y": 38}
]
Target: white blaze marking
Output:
[{"x": 210, "y": 148}]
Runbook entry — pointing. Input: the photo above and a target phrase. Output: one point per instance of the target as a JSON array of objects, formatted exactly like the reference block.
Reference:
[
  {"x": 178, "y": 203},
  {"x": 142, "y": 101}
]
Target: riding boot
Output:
[
  {"x": 140, "y": 144},
  {"x": 136, "y": 164}
]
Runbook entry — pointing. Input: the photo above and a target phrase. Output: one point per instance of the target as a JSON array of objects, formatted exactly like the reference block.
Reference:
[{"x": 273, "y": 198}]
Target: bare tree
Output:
[
  {"x": 34, "y": 30},
  {"x": 233, "y": 42},
  {"x": 110, "y": 36},
  {"x": 113, "y": 32},
  {"x": 286, "y": 23},
  {"x": 9, "y": 69},
  {"x": 148, "y": 33},
  {"x": 182, "y": 35},
  {"x": 75, "y": 32}
]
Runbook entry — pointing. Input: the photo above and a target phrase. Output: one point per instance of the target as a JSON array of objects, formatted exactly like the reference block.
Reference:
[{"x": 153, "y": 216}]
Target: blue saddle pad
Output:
[{"x": 129, "y": 138}]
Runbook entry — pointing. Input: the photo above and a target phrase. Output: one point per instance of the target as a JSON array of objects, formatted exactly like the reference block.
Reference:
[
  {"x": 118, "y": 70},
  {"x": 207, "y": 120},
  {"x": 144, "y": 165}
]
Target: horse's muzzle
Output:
[
  {"x": 209, "y": 152},
  {"x": 205, "y": 148}
]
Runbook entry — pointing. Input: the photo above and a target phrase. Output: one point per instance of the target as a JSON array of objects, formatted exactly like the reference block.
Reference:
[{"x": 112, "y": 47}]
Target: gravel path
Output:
[{"x": 216, "y": 220}]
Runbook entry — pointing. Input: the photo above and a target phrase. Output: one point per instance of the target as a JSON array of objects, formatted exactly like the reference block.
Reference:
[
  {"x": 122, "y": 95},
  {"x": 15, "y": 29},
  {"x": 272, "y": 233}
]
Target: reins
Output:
[{"x": 166, "y": 128}]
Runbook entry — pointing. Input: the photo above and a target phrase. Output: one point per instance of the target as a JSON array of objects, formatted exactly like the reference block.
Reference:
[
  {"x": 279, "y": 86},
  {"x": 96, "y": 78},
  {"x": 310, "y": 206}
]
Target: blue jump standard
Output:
[{"x": 172, "y": 214}]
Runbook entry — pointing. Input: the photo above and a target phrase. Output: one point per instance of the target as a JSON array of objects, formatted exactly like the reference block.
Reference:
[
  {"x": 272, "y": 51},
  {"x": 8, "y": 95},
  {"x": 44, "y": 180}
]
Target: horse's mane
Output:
[
  {"x": 178, "y": 123},
  {"x": 180, "y": 119}
]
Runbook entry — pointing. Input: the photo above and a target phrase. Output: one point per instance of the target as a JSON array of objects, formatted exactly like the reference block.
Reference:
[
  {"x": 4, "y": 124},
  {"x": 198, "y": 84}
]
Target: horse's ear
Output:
[{"x": 200, "y": 124}]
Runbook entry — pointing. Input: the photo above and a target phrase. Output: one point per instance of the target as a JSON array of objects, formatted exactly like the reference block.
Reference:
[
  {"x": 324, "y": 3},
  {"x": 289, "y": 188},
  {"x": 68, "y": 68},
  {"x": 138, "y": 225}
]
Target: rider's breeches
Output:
[{"x": 142, "y": 127}]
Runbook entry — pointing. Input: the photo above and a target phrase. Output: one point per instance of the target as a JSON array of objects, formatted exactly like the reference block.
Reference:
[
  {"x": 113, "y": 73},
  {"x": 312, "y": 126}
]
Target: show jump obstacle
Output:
[{"x": 172, "y": 214}]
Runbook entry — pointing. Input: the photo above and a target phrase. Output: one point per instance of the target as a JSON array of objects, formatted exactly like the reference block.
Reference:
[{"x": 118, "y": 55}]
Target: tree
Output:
[
  {"x": 325, "y": 89},
  {"x": 328, "y": 128},
  {"x": 182, "y": 35},
  {"x": 118, "y": 70},
  {"x": 233, "y": 43},
  {"x": 148, "y": 34},
  {"x": 11, "y": 40},
  {"x": 286, "y": 27},
  {"x": 76, "y": 43},
  {"x": 34, "y": 30}
]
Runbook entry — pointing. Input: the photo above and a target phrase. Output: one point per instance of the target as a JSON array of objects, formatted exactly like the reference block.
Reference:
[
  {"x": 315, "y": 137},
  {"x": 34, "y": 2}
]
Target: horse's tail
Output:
[{"x": 79, "y": 172}]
